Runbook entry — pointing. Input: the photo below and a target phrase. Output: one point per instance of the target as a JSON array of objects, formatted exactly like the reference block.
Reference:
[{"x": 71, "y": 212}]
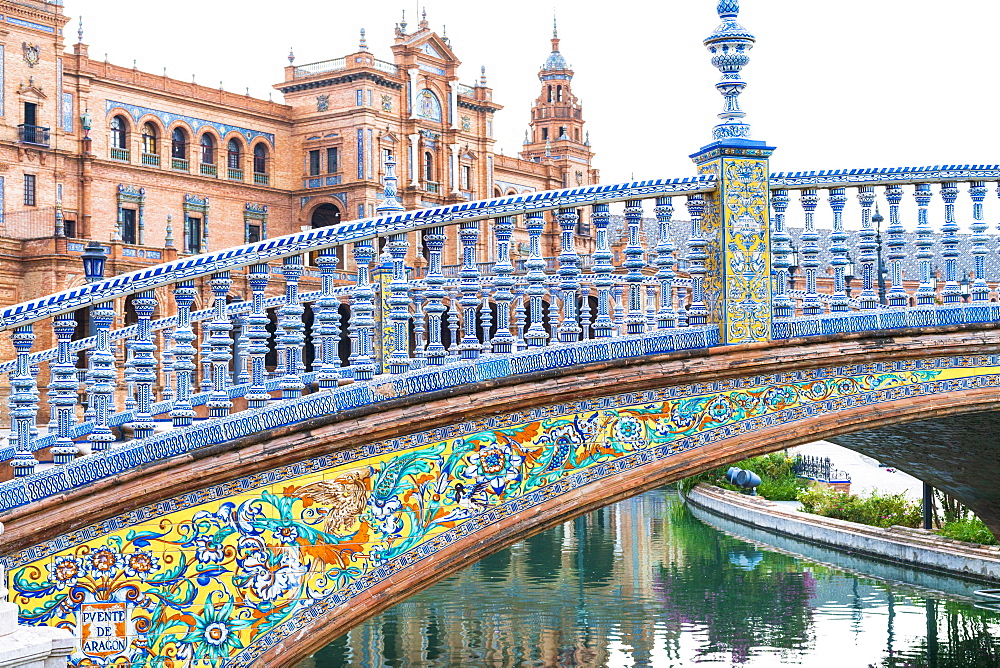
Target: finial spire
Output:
[
  {"x": 423, "y": 18},
  {"x": 402, "y": 24},
  {"x": 482, "y": 76},
  {"x": 729, "y": 45},
  {"x": 79, "y": 32},
  {"x": 291, "y": 56},
  {"x": 362, "y": 43},
  {"x": 555, "y": 28},
  {"x": 526, "y": 137},
  {"x": 729, "y": 9}
]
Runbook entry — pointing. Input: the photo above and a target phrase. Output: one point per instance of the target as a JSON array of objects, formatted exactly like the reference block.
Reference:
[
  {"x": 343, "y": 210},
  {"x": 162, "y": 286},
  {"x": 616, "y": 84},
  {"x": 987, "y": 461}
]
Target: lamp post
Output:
[
  {"x": 94, "y": 259},
  {"x": 880, "y": 267},
  {"x": 966, "y": 291},
  {"x": 793, "y": 266},
  {"x": 848, "y": 276}
]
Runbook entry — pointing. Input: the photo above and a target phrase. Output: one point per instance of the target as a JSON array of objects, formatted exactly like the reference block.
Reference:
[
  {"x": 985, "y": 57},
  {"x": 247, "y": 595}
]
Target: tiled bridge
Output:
[{"x": 204, "y": 510}]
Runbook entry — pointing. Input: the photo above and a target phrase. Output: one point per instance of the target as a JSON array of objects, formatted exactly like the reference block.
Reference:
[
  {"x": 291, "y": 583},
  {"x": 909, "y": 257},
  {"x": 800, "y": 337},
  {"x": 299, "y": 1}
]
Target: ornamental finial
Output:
[
  {"x": 729, "y": 46},
  {"x": 729, "y": 9},
  {"x": 390, "y": 195},
  {"x": 555, "y": 28},
  {"x": 482, "y": 76},
  {"x": 362, "y": 43},
  {"x": 79, "y": 32},
  {"x": 291, "y": 56}
]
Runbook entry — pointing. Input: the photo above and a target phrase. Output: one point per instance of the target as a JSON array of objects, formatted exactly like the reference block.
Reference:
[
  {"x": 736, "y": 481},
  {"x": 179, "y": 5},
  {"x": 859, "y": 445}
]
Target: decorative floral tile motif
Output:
[{"x": 217, "y": 576}]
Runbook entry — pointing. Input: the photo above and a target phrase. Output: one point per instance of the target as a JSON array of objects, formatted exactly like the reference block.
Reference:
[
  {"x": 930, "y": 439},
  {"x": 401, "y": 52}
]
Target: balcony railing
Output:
[
  {"x": 432, "y": 187},
  {"x": 151, "y": 159},
  {"x": 261, "y": 179},
  {"x": 119, "y": 154},
  {"x": 180, "y": 164},
  {"x": 33, "y": 134},
  {"x": 235, "y": 174},
  {"x": 209, "y": 170}
]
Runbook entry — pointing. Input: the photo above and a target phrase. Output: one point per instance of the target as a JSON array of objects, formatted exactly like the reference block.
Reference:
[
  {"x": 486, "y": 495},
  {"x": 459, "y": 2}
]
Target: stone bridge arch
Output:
[{"x": 289, "y": 513}]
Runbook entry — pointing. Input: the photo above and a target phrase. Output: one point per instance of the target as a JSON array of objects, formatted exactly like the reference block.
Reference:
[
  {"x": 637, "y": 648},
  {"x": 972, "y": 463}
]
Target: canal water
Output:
[{"x": 647, "y": 583}]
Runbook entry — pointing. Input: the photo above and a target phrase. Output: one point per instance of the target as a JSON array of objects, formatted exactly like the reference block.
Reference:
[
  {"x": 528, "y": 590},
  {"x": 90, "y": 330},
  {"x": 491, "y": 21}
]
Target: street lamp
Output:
[
  {"x": 964, "y": 284},
  {"x": 94, "y": 259},
  {"x": 793, "y": 266},
  {"x": 878, "y": 219},
  {"x": 848, "y": 276}
]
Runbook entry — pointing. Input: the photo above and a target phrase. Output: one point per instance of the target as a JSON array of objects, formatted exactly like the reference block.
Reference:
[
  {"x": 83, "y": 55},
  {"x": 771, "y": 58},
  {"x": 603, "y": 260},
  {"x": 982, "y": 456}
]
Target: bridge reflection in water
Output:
[{"x": 645, "y": 583}]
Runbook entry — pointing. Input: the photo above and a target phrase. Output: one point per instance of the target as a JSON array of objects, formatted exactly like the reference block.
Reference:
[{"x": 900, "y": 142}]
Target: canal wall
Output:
[{"x": 916, "y": 548}]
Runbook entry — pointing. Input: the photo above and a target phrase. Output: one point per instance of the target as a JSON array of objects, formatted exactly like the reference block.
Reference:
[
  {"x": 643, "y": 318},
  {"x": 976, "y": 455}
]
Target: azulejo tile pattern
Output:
[{"x": 218, "y": 576}]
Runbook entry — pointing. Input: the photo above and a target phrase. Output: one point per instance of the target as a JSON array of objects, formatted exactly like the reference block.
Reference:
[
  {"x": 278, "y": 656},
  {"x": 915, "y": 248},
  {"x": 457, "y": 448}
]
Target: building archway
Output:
[{"x": 325, "y": 215}]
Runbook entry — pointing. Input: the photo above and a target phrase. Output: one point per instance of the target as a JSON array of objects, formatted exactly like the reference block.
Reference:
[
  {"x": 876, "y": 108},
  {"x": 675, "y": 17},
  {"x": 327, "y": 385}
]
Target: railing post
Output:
[
  {"x": 839, "y": 250},
  {"x": 698, "y": 313},
  {"x": 469, "y": 285},
  {"x": 585, "y": 312},
  {"x": 144, "y": 362},
  {"x": 811, "y": 305},
  {"x": 924, "y": 243},
  {"x": 503, "y": 227},
  {"x": 22, "y": 400},
  {"x": 980, "y": 290},
  {"x": 182, "y": 414},
  {"x": 604, "y": 326},
  {"x": 784, "y": 305},
  {"x": 868, "y": 299},
  {"x": 486, "y": 314},
  {"x": 534, "y": 223},
  {"x": 292, "y": 329},
  {"x": 635, "y": 322},
  {"x": 398, "y": 359},
  {"x": 362, "y": 314},
  {"x": 167, "y": 364},
  {"x": 520, "y": 315},
  {"x": 569, "y": 272},
  {"x": 219, "y": 346},
  {"x": 454, "y": 323},
  {"x": 327, "y": 330},
  {"x": 241, "y": 369},
  {"x": 419, "y": 326},
  {"x": 952, "y": 292},
  {"x": 62, "y": 390},
  {"x": 434, "y": 238},
  {"x": 897, "y": 296},
  {"x": 666, "y": 318},
  {"x": 258, "y": 277},
  {"x": 102, "y": 363}
]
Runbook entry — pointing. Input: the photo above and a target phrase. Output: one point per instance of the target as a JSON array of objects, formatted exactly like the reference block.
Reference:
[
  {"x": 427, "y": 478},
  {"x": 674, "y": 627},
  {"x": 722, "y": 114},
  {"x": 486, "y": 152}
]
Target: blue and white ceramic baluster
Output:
[
  {"x": 698, "y": 313},
  {"x": 205, "y": 358},
  {"x": 21, "y": 401},
  {"x": 666, "y": 318},
  {"x": 585, "y": 313},
  {"x": 952, "y": 291},
  {"x": 62, "y": 390},
  {"x": 783, "y": 304},
  {"x": 181, "y": 413},
  {"x": 167, "y": 363},
  {"x": 650, "y": 288},
  {"x": 868, "y": 299},
  {"x": 811, "y": 305},
  {"x": 618, "y": 294},
  {"x": 241, "y": 368},
  {"x": 980, "y": 289},
  {"x": 924, "y": 243},
  {"x": 102, "y": 362},
  {"x": 363, "y": 314},
  {"x": 520, "y": 316},
  {"x": 128, "y": 374},
  {"x": 419, "y": 326},
  {"x": 399, "y": 304},
  {"x": 897, "y": 297},
  {"x": 604, "y": 326},
  {"x": 635, "y": 321},
  {"x": 292, "y": 329},
  {"x": 257, "y": 277},
  {"x": 469, "y": 285},
  {"x": 536, "y": 336},
  {"x": 569, "y": 273},
  {"x": 144, "y": 361},
  {"x": 486, "y": 314},
  {"x": 220, "y": 342},
  {"x": 435, "y": 238},
  {"x": 503, "y": 340},
  {"x": 327, "y": 330},
  {"x": 454, "y": 323},
  {"x": 839, "y": 250},
  {"x": 553, "y": 307},
  {"x": 682, "y": 312}
]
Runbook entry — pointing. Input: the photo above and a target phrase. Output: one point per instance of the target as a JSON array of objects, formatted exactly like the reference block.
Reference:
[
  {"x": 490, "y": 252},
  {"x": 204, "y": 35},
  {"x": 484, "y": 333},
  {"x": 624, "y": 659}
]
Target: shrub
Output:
[
  {"x": 876, "y": 509},
  {"x": 970, "y": 529}
]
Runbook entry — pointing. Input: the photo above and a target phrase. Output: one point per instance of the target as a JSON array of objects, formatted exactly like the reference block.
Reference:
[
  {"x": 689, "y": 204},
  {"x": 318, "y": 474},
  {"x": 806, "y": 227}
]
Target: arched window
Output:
[
  {"x": 550, "y": 93},
  {"x": 234, "y": 154},
  {"x": 179, "y": 144},
  {"x": 207, "y": 149},
  {"x": 260, "y": 159},
  {"x": 428, "y": 166},
  {"x": 558, "y": 93},
  {"x": 119, "y": 133},
  {"x": 148, "y": 138}
]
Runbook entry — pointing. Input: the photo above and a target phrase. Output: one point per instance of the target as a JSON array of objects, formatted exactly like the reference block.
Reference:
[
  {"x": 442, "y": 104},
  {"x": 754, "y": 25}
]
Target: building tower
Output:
[{"x": 556, "y": 134}]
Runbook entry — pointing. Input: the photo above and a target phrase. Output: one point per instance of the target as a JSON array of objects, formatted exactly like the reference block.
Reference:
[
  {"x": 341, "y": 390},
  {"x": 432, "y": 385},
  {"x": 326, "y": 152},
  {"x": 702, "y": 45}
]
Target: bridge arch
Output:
[{"x": 604, "y": 432}]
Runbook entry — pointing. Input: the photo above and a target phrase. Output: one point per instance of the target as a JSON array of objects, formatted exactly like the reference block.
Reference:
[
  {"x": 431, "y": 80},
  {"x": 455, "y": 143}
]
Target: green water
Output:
[{"x": 645, "y": 583}]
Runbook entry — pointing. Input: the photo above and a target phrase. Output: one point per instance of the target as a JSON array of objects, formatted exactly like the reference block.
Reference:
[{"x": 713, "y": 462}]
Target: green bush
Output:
[
  {"x": 970, "y": 529},
  {"x": 778, "y": 482},
  {"x": 875, "y": 509}
]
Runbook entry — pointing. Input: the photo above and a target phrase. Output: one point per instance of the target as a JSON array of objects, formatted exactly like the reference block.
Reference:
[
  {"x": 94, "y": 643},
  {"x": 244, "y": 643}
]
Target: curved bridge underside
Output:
[{"x": 261, "y": 550}]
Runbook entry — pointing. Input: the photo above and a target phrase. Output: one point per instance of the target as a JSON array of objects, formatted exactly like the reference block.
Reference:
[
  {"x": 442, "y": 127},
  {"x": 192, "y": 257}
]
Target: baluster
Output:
[
  {"x": 62, "y": 390},
  {"x": 520, "y": 315},
  {"x": 868, "y": 299},
  {"x": 980, "y": 290},
  {"x": 569, "y": 272},
  {"x": 167, "y": 364},
  {"x": 811, "y": 305},
  {"x": 666, "y": 318},
  {"x": 220, "y": 341},
  {"x": 650, "y": 306},
  {"x": 698, "y": 313},
  {"x": 182, "y": 414},
  {"x": 682, "y": 312},
  {"x": 22, "y": 400},
  {"x": 554, "y": 308},
  {"x": 102, "y": 363},
  {"x": 241, "y": 371},
  {"x": 205, "y": 357},
  {"x": 258, "y": 277},
  {"x": 635, "y": 322},
  {"x": 839, "y": 250},
  {"x": 536, "y": 336},
  {"x": 129, "y": 372},
  {"x": 35, "y": 400},
  {"x": 783, "y": 304},
  {"x": 486, "y": 315},
  {"x": 419, "y": 324},
  {"x": 503, "y": 227},
  {"x": 469, "y": 285},
  {"x": 144, "y": 360},
  {"x": 585, "y": 312},
  {"x": 897, "y": 296},
  {"x": 924, "y": 243},
  {"x": 952, "y": 292},
  {"x": 604, "y": 326},
  {"x": 618, "y": 292},
  {"x": 434, "y": 238},
  {"x": 399, "y": 304},
  {"x": 454, "y": 321},
  {"x": 363, "y": 314},
  {"x": 292, "y": 329},
  {"x": 327, "y": 331}
]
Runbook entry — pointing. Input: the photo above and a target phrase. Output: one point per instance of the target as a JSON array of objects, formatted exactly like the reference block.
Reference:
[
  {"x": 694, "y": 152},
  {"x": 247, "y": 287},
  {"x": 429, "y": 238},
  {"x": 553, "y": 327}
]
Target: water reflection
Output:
[{"x": 645, "y": 583}]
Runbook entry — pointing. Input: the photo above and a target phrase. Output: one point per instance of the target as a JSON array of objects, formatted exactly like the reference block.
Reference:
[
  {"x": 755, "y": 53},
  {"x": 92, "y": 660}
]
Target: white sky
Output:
[{"x": 845, "y": 84}]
